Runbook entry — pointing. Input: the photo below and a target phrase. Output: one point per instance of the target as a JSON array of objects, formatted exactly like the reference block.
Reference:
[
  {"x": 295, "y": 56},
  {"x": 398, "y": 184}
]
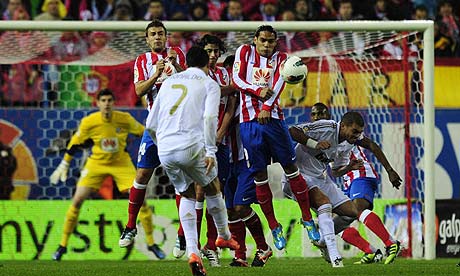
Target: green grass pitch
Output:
[{"x": 275, "y": 267}]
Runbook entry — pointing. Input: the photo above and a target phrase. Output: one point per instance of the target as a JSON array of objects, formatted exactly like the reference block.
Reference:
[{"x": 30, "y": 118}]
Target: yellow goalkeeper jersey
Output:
[{"x": 109, "y": 135}]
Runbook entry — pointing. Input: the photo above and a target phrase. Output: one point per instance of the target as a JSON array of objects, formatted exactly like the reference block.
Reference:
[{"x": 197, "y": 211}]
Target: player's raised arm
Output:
[
  {"x": 300, "y": 137},
  {"x": 369, "y": 144},
  {"x": 240, "y": 68}
]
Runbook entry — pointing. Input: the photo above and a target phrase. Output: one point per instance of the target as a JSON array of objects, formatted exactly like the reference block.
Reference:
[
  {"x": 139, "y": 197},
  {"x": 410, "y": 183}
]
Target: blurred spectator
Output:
[
  {"x": 250, "y": 6},
  {"x": 177, "y": 39},
  {"x": 175, "y": 9},
  {"x": 327, "y": 10},
  {"x": 98, "y": 40},
  {"x": 268, "y": 11},
  {"x": 443, "y": 44},
  {"x": 8, "y": 165},
  {"x": 70, "y": 47},
  {"x": 21, "y": 82},
  {"x": 102, "y": 10},
  {"x": 293, "y": 41},
  {"x": 155, "y": 10},
  {"x": 304, "y": 10},
  {"x": 215, "y": 8},
  {"x": 451, "y": 24},
  {"x": 11, "y": 8},
  {"x": 379, "y": 11},
  {"x": 89, "y": 9},
  {"x": 345, "y": 11},
  {"x": 399, "y": 9},
  {"x": 233, "y": 11},
  {"x": 420, "y": 13},
  {"x": 52, "y": 10},
  {"x": 123, "y": 11},
  {"x": 430, "y": 6},
  {"x": 199, "y": 12}
]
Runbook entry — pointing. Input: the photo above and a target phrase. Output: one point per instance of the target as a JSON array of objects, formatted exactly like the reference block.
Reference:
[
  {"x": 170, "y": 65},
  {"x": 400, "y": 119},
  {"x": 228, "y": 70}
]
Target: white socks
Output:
[
  {"x": 216, "y": 207},
  {"x": 187, "y": 216},
  {"x": 326, "y": 228}
]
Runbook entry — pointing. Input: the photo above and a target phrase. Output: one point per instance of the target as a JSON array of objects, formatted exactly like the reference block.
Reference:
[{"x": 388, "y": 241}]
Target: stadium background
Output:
[{"x": 30, "y": 229}]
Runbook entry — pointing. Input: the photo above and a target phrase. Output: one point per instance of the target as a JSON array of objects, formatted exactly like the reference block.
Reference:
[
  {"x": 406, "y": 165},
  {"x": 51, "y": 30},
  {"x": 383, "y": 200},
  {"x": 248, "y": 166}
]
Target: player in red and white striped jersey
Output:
[
  {"x": 264, "y": 132},
  {"x": 150, "y": 70},
  {"x": 366, "y": 170}
]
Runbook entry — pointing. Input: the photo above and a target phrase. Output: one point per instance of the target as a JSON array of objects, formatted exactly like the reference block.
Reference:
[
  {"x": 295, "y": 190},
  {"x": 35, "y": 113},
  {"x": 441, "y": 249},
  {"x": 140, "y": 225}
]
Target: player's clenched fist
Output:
[
  {"x": 266, "y": 93},
  {"x": 60, "y": 173}
]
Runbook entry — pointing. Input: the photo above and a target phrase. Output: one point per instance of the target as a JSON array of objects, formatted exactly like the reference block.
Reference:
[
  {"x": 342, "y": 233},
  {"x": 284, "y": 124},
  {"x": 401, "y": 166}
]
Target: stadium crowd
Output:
[{"x": 37, "y": 48}]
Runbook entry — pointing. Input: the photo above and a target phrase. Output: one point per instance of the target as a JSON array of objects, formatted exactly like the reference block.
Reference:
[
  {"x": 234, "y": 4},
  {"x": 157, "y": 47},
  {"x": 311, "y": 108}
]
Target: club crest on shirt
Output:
[
  {"x": 261, "y": 76},
  {"x": 236, "y": 67},
  {"x": 109, "y": 144}
]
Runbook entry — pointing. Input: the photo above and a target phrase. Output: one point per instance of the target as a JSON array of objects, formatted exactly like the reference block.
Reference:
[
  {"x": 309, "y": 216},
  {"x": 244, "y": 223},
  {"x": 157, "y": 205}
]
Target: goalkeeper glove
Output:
[{"x": 60, "y": 173}]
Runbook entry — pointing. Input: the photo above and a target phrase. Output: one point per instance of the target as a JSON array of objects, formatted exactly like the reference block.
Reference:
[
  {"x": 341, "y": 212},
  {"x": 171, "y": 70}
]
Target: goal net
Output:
[{"x": 376, "y": 68}]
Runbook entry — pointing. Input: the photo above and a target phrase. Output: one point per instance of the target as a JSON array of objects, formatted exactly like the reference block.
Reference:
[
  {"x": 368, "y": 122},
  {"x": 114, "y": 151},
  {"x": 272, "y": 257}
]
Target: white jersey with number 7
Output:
[{"x": 185, "y": 112}]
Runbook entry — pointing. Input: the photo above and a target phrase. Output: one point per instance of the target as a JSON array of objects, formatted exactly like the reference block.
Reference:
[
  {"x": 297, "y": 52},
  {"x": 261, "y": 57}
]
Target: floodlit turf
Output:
[{"x": 275, "y": 267}]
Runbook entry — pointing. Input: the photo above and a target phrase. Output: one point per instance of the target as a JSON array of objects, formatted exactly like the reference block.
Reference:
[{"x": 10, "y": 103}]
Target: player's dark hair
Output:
[
  {"x": 323, "y": 109},
  {"x": 212, "y": 39},
  {"x": 265, "y": 28},
  {"x": 229, "y": 60},
  {"x": 197, "y": 57},
  {"x": 105, "y": 92},
  {"x": 353, "y": 117},
  {"x": 155, "y": 24}
]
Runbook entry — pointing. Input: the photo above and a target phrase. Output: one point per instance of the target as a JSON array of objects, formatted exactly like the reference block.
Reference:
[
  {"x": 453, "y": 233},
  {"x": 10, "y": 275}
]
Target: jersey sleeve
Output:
[
  {"x": 78, "y": 138},
  {"x": 140, "y": 72},
  {"x": 180, "y": 57},
  {"x": 239, "y": 73},
  {"x": 278, "y": 85},
  {"x": 210, "y": 117},
  {"x": 135, "y": 127}
]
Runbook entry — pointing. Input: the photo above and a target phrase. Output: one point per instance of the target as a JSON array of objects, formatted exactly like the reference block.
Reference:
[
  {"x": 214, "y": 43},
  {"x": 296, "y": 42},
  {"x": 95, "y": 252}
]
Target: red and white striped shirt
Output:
[
  {"x": 145, "y": 67},
  {"x": 367, "y": 170},
  {"x": 251, "y": 73},
  {"x": 221, "y": 76}
]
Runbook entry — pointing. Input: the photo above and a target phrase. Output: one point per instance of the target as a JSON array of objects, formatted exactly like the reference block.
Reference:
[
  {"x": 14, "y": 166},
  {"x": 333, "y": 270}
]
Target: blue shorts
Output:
[
  {"x": 240, "y": 188},
  {"x": 147, "y": 156},
  {"x": 223, "y": 163},
  {"x": 266, "y": 142},
  {"x": 363, "y": 187}
]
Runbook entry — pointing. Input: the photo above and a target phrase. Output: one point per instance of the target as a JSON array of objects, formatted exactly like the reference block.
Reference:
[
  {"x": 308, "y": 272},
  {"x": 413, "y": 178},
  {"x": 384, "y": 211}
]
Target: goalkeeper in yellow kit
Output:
[{"x": 108, "y": 130}]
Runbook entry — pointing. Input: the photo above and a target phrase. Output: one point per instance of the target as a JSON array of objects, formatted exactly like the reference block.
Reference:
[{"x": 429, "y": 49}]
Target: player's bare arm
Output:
[
  {"x": 354, "y": 164},
  {"x": 394, "y": 177},
  {"x": 228, "y": 116},
  {"x": 144, "y": 87},
  {"x": 227, "y": 90},
  {"x": 300, "y": 137},
  {"x": 210, "y": 163},
  {"x": 266, "y": 93}
]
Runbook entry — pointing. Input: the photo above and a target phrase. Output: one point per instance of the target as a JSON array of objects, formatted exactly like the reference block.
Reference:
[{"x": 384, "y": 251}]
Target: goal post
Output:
[{"x": 427, "y": 71}]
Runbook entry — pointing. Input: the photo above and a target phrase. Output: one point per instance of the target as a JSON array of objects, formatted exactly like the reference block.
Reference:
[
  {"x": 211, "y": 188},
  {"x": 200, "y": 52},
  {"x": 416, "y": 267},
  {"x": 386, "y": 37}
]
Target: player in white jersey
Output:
[
  {"x": 215, "y": 47},
  {"x": 184, "y": 122},
  {"x": 341, "y": 165},
  {"x": 264, "y": 132},
  {"x": 150, "y": 70},
  {"x": 360, "y": 186}
]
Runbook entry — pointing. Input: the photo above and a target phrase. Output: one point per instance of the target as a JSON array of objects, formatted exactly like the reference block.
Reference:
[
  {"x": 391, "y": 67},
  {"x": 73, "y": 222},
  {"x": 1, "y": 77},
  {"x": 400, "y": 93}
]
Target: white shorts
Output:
[
  {"x": 186, "y": 167},
  {"x": 325, "y": 184}
]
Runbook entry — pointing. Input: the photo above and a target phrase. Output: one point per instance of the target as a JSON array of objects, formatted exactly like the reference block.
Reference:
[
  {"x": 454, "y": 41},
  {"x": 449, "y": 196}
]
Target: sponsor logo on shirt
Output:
[
  {"x": 261, "y": 76},
  {"x": 109, "y": 144}
]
